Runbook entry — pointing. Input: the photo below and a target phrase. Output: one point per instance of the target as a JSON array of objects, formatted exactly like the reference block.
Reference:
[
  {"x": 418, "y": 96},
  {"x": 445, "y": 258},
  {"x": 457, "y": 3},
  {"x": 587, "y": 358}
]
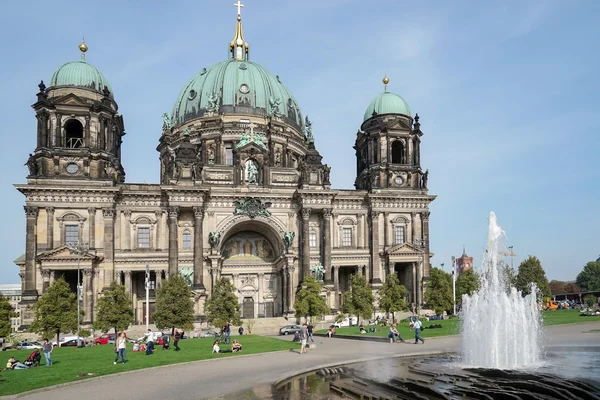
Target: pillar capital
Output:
[
  {"x": 305, "y": 213},
  {"x": 31, "y": 211},
  {"x": 108, "y": 212},
  {"x": 326, "y": 213},
  {"x": 50, "y": 210},
  {"x": 425, "y": 215},
  {"x": 127, "y": 213},
  {"x": 92, "y": 210},
  {"x": 158, "y": 214},
  {"x": 173, "y": 212},
  {"x": 199, "y": 212}
]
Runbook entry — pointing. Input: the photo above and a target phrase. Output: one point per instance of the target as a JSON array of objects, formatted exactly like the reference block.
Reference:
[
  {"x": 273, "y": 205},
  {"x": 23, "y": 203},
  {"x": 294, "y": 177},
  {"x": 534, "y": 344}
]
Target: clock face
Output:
[
  {"x": 72, "y": 168},
  {"x": 399, "y": 180},
  {"x": 244, "y": 88}
]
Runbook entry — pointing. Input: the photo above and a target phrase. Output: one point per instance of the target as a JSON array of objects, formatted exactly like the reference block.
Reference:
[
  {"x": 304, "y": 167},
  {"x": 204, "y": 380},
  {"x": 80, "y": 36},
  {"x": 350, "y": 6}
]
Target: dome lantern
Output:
[{"x": 238, "y": 47}]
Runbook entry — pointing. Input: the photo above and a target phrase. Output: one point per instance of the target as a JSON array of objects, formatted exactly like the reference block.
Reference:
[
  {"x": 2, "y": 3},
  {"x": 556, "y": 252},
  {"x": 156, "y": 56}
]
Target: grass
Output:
[
  {"x": 69, "y": 362},
  {"x": 452, "y": 326}
]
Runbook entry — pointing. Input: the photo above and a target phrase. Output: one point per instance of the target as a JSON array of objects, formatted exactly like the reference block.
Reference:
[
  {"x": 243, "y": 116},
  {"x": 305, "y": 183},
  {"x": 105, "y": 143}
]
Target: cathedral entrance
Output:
[
  {"x": 248, "y": 308},
  {"x": 404, "y": 271}
]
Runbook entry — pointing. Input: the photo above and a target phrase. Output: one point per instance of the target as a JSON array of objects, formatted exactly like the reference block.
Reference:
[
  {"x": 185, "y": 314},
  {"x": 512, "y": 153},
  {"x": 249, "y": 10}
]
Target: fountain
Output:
[{"x": 501, "y": 328}]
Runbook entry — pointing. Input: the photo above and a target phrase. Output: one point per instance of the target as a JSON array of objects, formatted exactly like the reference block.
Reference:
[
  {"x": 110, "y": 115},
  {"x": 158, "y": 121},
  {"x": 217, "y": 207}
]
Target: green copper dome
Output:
[
  {"x": 387, "y": 103},
  {"x": 80, "y": 74},
  {"x": 236, "y": 86}
]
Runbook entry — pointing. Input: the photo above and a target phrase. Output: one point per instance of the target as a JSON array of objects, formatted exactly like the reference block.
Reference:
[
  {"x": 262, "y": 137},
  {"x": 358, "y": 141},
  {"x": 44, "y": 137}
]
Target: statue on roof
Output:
[
  {"x": 274, "y": 105},
  {"x": 213, "y": 102},
  {"x": 166, "y": 121},
  {"x": 308, "y": 130}
]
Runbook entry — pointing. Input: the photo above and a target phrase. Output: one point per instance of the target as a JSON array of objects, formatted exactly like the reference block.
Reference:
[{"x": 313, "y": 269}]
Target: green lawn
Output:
[
  {"x": 452, "y": 326},
  {"x": 69, "y": 362}
]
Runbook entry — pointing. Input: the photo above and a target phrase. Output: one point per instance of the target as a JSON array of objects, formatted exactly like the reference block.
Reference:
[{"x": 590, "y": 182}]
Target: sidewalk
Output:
[{"x": 212, "y": 378}]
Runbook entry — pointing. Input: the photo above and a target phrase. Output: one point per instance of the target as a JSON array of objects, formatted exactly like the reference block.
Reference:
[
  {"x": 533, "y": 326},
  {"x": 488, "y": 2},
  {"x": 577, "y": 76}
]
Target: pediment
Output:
[
  {"x": 404, "y": 249},
  {"x": 72, "y": 100},
  {"x": 251, "y": 148},
  {"x": 398, "y": 124},
  {"x": 63, "y": 253}
]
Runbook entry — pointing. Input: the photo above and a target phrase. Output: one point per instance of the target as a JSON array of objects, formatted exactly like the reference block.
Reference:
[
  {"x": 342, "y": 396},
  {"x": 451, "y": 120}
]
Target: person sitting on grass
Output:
[
  {"x": 236, "y": 346},
  {"x": 136, "y": 347},
  {"x": 217, "y": 349},
  {"x": 15, "y": 364},
  {"x": 394, "y": 335}
]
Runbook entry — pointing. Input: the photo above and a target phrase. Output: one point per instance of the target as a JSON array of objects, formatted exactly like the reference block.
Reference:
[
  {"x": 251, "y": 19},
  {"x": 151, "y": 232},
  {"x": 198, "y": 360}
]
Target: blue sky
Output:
[{"x": 507, "y": 92}]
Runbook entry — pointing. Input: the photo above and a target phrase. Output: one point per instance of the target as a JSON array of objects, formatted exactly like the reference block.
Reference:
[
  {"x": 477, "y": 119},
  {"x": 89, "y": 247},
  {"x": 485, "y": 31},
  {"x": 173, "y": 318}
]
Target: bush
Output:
[{"x": 589, "y": 300}]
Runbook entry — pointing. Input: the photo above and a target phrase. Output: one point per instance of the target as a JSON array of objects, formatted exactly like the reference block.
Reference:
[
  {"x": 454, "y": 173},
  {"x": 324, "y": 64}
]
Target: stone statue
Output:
[
  {"x": 251, "y": 172},
  {"x": 274, "y": 105},
  {"x": 424, "y": 179},
  {"x": 196, "y": 170},
  {"x": 278, "y": 159},
  {"x": 173, "y": 167},
  {"x": 308, "y": 129},
  {"x": 187, "y": 273},
  {"x": 213, "y": 239},
  {"x": 211, "y": 156},
  {"x": 32, "y": 165},
  {"x": 288, "y": 239},
  {"x": 166, "y": 121},
  {"x": 318, "y": 271},
  {"x": 326, "y": 174},
  {"x": 213, "y": 102}
]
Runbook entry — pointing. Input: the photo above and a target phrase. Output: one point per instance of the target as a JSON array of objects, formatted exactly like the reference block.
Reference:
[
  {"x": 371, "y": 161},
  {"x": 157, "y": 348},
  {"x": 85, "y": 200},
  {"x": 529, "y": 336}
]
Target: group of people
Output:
[
  {"x": 121, "y": 344},
  {"x": 235, "y": 347},
  {"x": 415, "y": 325}
]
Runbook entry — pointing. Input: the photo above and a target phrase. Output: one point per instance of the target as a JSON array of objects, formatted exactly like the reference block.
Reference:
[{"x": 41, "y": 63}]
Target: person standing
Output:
[
  {"x": 227, "y": 331},
  {"x": 176, "y": 340},
  {"x": 47, "y": 347},
  {"x": 121, "y": 345},
  {"x": 418, "y": 327},
  {"x": 310, "y": 329},
  {"x": 241, "y": 330},
  {"x": 303, "y": 337}
]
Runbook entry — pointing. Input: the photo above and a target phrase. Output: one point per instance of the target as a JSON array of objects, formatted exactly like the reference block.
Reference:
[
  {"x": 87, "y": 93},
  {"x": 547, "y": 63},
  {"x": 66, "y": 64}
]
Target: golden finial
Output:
[
  {"x": 238, "y": 47},
  {"x": 385, "y": 81},
  {"x": 83, "y": 47}
]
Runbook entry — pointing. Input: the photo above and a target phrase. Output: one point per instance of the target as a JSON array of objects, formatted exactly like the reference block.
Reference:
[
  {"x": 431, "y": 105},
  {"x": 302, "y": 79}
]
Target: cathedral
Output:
[{"x": 243, "y": 194}]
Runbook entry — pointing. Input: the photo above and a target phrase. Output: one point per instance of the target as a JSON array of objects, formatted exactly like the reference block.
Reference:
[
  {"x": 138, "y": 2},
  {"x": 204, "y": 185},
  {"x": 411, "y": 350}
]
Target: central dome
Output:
[{"x": 236, "y": 87}]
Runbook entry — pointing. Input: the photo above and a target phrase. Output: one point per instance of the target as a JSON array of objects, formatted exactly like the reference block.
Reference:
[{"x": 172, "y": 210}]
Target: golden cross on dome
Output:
[
  {"x": 239, "y": 6},
  {"x": 252, "y": 128}
]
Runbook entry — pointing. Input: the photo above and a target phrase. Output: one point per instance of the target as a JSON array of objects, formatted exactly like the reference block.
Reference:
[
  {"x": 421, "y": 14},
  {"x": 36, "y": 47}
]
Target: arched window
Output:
[
  {"x": 398, "y": 153},
  {"x": 74, "y": 134}
]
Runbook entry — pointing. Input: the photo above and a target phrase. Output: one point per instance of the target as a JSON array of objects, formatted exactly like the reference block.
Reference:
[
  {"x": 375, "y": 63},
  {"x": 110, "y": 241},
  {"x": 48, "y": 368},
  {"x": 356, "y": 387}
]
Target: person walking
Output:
[
  {"x": 418, "y": 327},
  {"x": 120, "y": 347},
  {"x": 227, "y": 331},
  {"x": 176, "y": 340},
  {"x": 303, "y": 336},
  {"x": 310, "y": 330},
  {"x": 47, "y": 347}
]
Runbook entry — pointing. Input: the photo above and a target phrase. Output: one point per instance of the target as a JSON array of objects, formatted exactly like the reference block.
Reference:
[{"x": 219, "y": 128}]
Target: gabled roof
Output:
[
  {"x": 404, "y": 249},
  {"x": 63, "y": 253}
]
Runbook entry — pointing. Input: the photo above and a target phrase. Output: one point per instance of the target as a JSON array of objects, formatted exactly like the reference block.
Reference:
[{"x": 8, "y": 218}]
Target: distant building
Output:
[
  {"x": 13, "y": 292},
  {"x": 464, "y": 263}
]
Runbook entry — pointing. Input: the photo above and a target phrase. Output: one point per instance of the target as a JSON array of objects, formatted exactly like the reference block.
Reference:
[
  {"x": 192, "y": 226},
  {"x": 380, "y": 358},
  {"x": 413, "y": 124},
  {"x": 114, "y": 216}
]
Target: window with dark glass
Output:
[
  {"x": 187, "y": 240},
  {"x": 398, "y": 234},
  {"x": 72, "y": 234},
  {"x": 143, "y": 238},
  {"x": 347, "y": 237}
]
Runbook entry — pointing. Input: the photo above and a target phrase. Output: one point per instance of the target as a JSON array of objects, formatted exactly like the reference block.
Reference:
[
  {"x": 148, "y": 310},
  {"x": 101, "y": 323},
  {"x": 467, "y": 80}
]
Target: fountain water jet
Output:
[{"x": 501, "y": 328}]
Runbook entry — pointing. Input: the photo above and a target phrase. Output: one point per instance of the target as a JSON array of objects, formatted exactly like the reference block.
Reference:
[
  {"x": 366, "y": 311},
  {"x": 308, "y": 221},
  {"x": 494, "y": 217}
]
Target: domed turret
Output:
[
  {"x": 387, "y": 103},
  {"x": 80, "y": 74}
]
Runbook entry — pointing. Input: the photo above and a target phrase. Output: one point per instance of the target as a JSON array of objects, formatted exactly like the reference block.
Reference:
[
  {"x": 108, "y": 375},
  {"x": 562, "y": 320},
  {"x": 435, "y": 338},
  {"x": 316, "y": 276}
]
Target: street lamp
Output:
[
  {"x": 79, "y": 249},
  {"x": 454, "y": 285},
  {"x": 149, "y": 286}
]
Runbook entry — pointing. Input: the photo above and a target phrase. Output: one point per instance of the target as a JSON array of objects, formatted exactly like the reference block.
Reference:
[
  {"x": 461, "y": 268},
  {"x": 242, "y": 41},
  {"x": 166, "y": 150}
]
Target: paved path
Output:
[{"x": 211, "y": 378}]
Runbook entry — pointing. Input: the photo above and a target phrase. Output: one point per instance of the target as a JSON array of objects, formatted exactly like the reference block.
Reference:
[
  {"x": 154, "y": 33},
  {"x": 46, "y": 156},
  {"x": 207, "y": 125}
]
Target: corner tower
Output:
[
  {"x": 388, "y": 146},
  {"x": 79, "y": 132}
]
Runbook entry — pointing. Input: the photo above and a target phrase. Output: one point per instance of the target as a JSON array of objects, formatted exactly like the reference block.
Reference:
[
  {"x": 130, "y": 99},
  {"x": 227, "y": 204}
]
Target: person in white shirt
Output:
[
  {"x": 418, "y": 327},
  {"x": 121, "y": 345}
]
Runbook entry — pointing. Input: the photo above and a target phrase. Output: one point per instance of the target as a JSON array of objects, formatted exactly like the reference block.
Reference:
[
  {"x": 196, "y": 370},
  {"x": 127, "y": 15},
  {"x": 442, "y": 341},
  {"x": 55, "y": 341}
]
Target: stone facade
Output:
[{"x": 243, "y": 194}]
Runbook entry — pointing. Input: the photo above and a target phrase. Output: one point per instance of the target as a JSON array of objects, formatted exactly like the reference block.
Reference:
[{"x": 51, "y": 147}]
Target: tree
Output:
[
  {"x": 588, "y": 280},
  {"x": 557, "y": 287},
  {"x": 359, "y": 299},
  {"x": 6, "y": 313},
  {"x": 438, "y": 295},
  {"x": 55, "y": 311},
  {"x": 571, "y": 287},
  {"x": 392, "y": 295},
  {"x": 114, "y": 309},
  {"x": 467, "y": 283},
  {"x": 309, "y": 302},
  {"x": 589, "y": 300},
  {"x": 509, "y": 276},
  {"x": 223, "y": 305},
  {"x": 531, "y": 271},
  {"x": 174, "y": 306}
]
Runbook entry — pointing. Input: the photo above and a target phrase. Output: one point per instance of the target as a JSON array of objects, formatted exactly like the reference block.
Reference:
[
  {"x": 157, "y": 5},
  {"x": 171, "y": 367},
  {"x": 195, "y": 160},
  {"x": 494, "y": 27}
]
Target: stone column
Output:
[
  {"x": 218, "y": 151},
  {"x": 87, "y": 294},
  {"x": 291, "y": 288},
  {"x": 425, "y": 224},
  {"x": 128, "y": 287},
  {"x": 101, "y": 142},
  {"x": 305, "y": 268},
  {"x": 46, "y": 279},
  {"x": 159, "y": 225},
  {"x": 416, "y": 229},
  {"x": 57, "y": 130},
  {"x": 284, "y": 288},
  {"x": 386, "y": 235},
  {"x": 31, "y": 214},
  {"x": 375, "y": 263},
  {"x": 87, "y": 134},
  {"x": 361, "y": 231},
  {"x": 261, "y": 288},
  {"x": 327, "y": 245},
  {"x": 198, "y": 248},
  {"x": 92, "y": 227},
  {"x": 413, "y": 276},
  {"x": 127, "y": 214},
  {"x": 158, "y": 274},
  {"x": 409, "y": 161},
  {"x": 336, "y": 285},
  {"x": 49, "y": 228},
  {"x": 173, "y": 250},
  {"x": 109, "y": 245}
]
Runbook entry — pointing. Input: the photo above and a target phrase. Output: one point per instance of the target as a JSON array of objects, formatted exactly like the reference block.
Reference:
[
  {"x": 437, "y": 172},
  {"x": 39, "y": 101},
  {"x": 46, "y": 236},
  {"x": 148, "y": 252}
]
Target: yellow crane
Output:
[{"x": 510, "y": 254}]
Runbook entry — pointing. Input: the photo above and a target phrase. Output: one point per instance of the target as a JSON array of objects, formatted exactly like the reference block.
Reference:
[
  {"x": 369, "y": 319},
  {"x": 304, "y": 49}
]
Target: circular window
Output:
[
  {"x": 72, "y": 168},
  {"x": 203, "y": 71},
  {"x": 243, "y": 66},
  {"x": 399, "y": 180},
  {"x": 244, "y": 88},
  {"x": 192, "y": 94}
]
